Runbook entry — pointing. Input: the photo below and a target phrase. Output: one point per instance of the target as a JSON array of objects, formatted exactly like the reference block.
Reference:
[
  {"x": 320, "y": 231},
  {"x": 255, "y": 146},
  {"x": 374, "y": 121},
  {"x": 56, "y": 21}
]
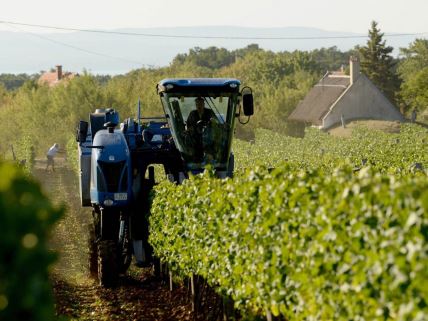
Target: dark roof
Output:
[
  {"x": 199, "y": 81},
  {"x": 319, "y": 99},
  {"x": 197, "y": 84}
]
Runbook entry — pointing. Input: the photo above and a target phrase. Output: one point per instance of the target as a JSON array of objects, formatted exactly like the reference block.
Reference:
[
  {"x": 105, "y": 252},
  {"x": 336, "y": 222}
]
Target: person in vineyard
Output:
[
  {"x": 50, "y": 156},
  {"x": 413, "y": 119},
  {"x": 195, "y": 122},
  {"x": 199, "y": 114}
]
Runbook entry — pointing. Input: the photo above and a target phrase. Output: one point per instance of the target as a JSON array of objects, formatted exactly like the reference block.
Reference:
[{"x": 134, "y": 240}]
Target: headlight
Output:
[{"x": 108, "y": 202}]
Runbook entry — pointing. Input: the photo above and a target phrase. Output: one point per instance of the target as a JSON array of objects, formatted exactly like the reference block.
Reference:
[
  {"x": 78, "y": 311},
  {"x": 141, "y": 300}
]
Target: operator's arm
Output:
[
  {"x": 209, "y": 115},
  {"x": 214, "y": 117},
  {"x": 191, "y": 121}
]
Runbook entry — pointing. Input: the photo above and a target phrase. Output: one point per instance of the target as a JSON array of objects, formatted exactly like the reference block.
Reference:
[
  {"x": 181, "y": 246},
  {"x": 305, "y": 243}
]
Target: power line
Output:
[
  {"x": 123, "y": 33},
  {"x": 78, "y": 48}
]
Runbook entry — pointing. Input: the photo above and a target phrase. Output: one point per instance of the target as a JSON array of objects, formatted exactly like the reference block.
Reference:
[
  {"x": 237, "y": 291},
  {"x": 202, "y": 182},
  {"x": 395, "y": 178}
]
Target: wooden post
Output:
[
  {"x": 193, "y": 291},
  {"x": 157, "y": 268},
  {"x": 170, "y": 281},
  {"x": 227, "y": 308},
  {"x": 164, "y": 272},
  {"x": 268, "y": 316},
  {"x": 13, "y": 153}
]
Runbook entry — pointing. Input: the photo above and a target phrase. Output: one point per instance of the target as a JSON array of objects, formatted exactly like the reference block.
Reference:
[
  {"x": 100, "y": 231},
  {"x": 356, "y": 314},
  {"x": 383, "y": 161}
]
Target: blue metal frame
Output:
[{"x": 115, "y": 150}]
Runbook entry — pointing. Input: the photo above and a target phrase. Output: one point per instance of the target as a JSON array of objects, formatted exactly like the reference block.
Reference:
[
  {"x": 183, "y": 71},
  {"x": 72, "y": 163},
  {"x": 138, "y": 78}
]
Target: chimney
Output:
[
  {"x": 354, "y": 66},
  {"x": 58, "y": 72}
]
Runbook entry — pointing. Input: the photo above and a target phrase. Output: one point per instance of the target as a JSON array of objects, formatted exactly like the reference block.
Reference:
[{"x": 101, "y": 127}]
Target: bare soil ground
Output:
[
  {"x": 385, "y": 126},
  {"x": 139, "y": 295}
]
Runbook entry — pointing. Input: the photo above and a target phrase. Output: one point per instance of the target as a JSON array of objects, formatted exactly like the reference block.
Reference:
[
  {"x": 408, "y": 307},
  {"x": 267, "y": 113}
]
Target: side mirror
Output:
[
  {"x": 247, "y": 101},
  {"x": 248, "y": 104},
  {"x": 82, "y": 131}
]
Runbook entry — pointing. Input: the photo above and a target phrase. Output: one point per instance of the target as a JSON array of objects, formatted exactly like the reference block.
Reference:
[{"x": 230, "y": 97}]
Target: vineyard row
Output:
[{"x": 305, "y": 244}]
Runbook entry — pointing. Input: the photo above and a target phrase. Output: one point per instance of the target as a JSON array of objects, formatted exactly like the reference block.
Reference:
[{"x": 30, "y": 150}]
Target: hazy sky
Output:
[{"x": 338, "y": 15}]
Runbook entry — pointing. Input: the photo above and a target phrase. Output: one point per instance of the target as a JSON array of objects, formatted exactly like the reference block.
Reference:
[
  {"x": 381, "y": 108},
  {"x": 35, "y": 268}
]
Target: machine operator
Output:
[{"x": 200, "y": 113}]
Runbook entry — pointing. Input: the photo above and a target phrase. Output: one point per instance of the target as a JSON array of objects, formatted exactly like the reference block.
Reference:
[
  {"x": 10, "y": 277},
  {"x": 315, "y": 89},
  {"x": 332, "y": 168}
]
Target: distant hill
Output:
[{"x": 27, "y": 53}]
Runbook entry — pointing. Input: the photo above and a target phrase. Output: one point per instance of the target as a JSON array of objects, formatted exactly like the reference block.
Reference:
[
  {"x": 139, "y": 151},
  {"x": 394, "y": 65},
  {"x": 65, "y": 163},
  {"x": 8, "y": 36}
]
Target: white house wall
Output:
[{"x": 363, "y": 100}]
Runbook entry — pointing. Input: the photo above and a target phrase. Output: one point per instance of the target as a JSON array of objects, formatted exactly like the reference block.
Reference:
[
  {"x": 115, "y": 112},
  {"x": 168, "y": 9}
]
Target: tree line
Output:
[{"x": 279, "y": 80}]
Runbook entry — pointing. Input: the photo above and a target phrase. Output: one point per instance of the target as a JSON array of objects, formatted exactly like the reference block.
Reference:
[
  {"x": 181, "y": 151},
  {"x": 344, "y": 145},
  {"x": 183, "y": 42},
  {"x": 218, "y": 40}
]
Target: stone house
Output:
[
  {"x": 338, "y": 96},
  {"x": 56, "y": 76}
]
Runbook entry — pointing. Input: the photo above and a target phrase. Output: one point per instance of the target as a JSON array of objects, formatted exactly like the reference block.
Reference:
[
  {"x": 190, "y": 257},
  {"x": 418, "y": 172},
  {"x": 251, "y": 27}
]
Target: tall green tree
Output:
[
  {"x": 212, "y": 57},
  {"x": 413, "y": 69},
  {"x": 414, "y": 91},
  {"x": 378, "y": 64},
  {"x": 414, "y": 59},
  {"x": 4, "y": 95}
]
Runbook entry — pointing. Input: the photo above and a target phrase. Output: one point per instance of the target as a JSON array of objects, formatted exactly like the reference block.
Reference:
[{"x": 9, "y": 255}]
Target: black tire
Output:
[
  {"x": 124, "y": 252},
  {"x": 92, "y": 252},
  {"x": 231, "y": 165},
  {"x": 108, "y": 272}
]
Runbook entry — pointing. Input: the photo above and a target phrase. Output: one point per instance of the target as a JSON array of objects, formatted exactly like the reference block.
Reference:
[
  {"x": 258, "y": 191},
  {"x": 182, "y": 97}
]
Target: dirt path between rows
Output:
[{"x": 139, "y": 295}]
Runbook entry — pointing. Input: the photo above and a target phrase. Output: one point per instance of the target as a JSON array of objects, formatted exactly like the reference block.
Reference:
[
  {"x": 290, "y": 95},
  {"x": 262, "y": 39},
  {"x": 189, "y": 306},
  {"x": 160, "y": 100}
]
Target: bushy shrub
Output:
[
  {"x": 72, "y": 154},
  {"x": 25, "y": 220}
]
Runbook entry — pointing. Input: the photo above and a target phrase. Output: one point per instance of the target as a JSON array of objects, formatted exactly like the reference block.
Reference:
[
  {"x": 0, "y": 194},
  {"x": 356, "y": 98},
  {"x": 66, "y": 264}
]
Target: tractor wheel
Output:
[
  {"x": 124, "y": 252},
  {"x": 93, "y": 252},
  {"x": 108, "y": 271}
]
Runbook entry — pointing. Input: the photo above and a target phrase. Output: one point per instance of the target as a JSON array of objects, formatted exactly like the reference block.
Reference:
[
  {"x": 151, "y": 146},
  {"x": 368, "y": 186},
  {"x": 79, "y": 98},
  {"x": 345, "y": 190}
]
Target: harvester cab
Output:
[{"x": 203, "y": 135}]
